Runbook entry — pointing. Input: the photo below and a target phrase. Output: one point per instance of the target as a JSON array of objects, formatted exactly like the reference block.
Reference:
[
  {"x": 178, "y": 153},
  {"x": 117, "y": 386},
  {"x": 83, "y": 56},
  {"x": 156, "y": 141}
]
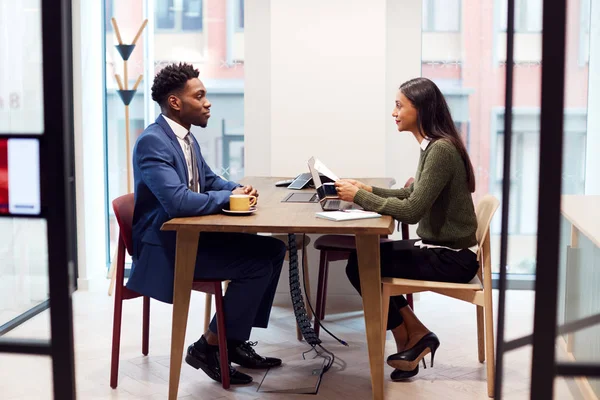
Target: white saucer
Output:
[{"x": 249, "y": 212}]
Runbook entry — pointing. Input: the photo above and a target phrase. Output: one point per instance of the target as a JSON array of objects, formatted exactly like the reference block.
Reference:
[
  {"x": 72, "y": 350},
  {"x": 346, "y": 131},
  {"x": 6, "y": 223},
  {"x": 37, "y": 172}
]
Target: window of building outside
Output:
[
  {"x": 463, "y": 64},
  {"x": 192, "y": 31},
  {"x": 240, "y": 15},
  {"x": 528, "y": 16},
  {"x": 178, "y": 15},
  {"x": 441, "y": 15}
]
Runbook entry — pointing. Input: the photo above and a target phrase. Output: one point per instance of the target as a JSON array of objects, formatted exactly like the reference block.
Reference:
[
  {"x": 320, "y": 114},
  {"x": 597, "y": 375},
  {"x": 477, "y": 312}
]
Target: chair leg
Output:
[
  {"x": 480, "y": 334},
  {"x": 222, "y": 335},
  {"x": 323, "y": 305},
  {"x": 409, "y": 299},
  {"x": 385, "y": 309},
  {"x": 116, "y": 339},
  {"x": 112, "y": 274},
  {"x": 146, "y": 326},
  {"x": 489, "y": 339},
  {"x": 320, "y": 290},
  {"x": 207, "y": 310}
]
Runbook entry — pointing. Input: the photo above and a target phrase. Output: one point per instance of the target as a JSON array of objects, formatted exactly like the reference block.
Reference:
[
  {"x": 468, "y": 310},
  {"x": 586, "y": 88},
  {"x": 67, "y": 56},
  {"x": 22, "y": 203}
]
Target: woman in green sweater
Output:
[{"x": 440, "y": 201}]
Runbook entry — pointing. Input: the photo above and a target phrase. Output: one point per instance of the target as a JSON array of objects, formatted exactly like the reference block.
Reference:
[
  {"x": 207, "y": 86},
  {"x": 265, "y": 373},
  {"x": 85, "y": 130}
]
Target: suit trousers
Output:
[
  {"x": 253, "y": 264},
  {"x": 402, "y": 259}
]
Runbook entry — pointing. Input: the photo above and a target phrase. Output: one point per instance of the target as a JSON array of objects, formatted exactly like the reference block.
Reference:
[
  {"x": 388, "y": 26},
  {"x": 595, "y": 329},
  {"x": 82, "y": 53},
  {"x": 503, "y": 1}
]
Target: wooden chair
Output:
[
  {"x": 301, "y": 247},
  {"x": 123, "y": 207},
  {"x": 475, "y": 292},
  {"x": 338, "y": 248}
]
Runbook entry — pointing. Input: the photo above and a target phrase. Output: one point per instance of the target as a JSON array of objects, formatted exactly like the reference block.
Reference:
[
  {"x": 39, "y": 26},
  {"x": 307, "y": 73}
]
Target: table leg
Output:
[
  {"x": 185, "y": 262},
  {"x": 367, "y": 247}
]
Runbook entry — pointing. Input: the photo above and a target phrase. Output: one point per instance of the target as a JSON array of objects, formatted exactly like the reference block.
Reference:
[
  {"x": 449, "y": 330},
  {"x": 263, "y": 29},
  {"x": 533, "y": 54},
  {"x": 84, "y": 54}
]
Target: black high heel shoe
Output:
[
  {"x": 408, "y": 360},
  {"x": 399, "y": 376}
]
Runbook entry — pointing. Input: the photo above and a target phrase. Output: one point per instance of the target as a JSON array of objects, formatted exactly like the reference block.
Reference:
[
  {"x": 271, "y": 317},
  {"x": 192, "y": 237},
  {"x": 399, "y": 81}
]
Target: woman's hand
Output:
[
  {"x": 346, "y": 190},
  {"x": 359, "y": 184}
]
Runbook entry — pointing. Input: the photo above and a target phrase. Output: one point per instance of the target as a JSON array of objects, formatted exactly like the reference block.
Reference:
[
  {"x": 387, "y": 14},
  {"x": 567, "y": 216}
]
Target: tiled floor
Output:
[{"x": 456, "y": 375}]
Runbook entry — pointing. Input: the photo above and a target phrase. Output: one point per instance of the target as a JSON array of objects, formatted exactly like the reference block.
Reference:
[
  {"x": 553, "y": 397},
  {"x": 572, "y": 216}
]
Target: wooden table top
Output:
[
  {"x": 584, "y": 213},
  {"x": 273, "y": 216}
]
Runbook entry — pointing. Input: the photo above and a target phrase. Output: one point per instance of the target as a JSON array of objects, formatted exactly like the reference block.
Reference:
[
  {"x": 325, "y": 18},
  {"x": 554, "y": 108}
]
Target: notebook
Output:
[{"x": 347, "y": 215}]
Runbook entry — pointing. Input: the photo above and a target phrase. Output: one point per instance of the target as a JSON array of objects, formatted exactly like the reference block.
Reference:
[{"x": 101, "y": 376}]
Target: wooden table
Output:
[
  {"x": 273, "y": 216},
  {"x": 583, "y": 212}
]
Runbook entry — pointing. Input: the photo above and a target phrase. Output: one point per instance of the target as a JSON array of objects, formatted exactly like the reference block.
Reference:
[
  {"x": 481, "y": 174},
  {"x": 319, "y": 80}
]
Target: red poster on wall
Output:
[{"x": 3, "y": 176}]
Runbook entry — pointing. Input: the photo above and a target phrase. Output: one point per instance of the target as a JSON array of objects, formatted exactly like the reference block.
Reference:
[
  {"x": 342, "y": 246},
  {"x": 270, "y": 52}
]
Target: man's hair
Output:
[{"x": 171, "y": 79}]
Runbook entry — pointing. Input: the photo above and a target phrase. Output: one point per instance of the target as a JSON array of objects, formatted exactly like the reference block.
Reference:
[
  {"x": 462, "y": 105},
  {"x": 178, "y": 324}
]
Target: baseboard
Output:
[{"x": 582, "y": 382}]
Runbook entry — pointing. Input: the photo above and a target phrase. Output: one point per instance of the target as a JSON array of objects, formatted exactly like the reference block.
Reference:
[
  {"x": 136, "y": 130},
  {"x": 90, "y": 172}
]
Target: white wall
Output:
[
  {"x": 89, "y": 142},
  {"x": 592, "y": 167},
  {"x": 257, "y": 88},
  {"x": 321, "y": 79}
]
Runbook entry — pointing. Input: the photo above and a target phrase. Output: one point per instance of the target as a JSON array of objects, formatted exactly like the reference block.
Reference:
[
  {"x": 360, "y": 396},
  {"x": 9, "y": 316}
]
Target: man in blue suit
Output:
[{"x": 173, "y": 180}]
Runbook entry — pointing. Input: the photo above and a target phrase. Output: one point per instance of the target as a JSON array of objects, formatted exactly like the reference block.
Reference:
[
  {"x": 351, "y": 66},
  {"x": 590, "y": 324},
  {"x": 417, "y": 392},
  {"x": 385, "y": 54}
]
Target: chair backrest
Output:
[
  {"x": 485, "y": 210},
  {"x": 123, "y": 208}
]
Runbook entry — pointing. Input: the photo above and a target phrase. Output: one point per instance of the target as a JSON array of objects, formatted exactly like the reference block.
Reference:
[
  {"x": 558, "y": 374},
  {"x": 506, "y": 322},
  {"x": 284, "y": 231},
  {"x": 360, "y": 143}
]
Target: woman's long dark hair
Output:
[{"x": 434, "y": 119}]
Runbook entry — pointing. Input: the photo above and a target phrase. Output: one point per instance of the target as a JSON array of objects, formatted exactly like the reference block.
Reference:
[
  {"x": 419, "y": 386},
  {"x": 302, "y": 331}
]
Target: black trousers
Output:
[
  {"x": 402, "y": 259},
  {"x": 253, "y": 264}
]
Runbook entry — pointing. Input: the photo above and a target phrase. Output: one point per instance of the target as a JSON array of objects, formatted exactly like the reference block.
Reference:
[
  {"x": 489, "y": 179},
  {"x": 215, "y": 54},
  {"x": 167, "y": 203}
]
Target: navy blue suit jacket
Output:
[{"x": 161, "y": 193}]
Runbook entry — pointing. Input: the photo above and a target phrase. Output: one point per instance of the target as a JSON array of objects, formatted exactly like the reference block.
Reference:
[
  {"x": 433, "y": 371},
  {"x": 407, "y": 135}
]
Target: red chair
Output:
[
  {"x": 338, "y": 248},
  {"x": 123, "y": 207}
]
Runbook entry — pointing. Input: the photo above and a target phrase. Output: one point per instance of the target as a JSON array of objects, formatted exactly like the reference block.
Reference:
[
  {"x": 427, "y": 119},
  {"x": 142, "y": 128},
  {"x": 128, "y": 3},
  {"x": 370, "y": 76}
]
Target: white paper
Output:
[
  {"x": 347, "y": 215},
  {"x": 321, "y": 168}
]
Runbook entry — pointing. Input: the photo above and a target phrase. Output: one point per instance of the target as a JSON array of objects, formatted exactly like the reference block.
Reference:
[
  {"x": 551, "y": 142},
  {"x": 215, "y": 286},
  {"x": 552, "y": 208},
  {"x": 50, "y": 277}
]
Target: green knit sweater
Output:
[{"x": 439, "y": 200}]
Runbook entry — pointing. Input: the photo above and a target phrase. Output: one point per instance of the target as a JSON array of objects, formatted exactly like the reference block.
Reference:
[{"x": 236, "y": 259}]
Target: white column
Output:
[
  {"x": 592, "y": 163},
  {"x": 321, "y": 79},
  {"x": 328, "y": 86},
  {"x": 257, "y": 88},
  {"x": 89, "y": 140},
  {"x": 403, "y": 62}
]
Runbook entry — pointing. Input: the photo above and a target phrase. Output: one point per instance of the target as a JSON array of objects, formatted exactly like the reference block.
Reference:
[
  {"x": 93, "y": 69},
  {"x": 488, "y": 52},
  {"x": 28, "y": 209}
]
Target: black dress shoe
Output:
[
  {"x": 243, "y": 354},
  {"x": 408, "y": 360},
  {"x": 399, "y": 375},
  {"x": 208, "y": 361}
]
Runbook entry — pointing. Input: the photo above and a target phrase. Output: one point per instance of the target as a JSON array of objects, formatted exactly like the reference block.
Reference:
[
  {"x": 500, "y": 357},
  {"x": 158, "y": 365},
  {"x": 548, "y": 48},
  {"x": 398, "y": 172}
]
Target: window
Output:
[
  {"x": 179, "y": 15},
  {"x": 528, "y": 16},
  {"x": 441, "y": 15},
  {"x": 191, "y": 19},
  {"x": 165, "y": 14},
  {"x": 240, "y": 15}
]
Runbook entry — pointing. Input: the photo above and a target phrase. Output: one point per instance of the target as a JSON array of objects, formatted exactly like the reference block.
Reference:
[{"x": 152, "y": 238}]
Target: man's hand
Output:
[
  {"x": 346, "y": 190},
  {"x": 248, "y": 189},
  {"x": 358, "y": 184}
]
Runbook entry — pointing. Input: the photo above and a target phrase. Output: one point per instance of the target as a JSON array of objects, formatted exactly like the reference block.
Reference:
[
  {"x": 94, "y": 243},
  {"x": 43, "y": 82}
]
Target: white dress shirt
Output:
[
  {"x": 181, "y": 133},
  {"x": 424, "y": 143}
]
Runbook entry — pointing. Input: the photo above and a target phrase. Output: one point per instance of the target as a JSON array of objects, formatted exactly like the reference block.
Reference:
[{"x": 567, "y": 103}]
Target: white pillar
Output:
[
  {"x": 257, "y": 88},
  {"x": 320, "y": 79},
  {"x": 403, "y": 62},
  {"x": 88, "y": 110}
]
